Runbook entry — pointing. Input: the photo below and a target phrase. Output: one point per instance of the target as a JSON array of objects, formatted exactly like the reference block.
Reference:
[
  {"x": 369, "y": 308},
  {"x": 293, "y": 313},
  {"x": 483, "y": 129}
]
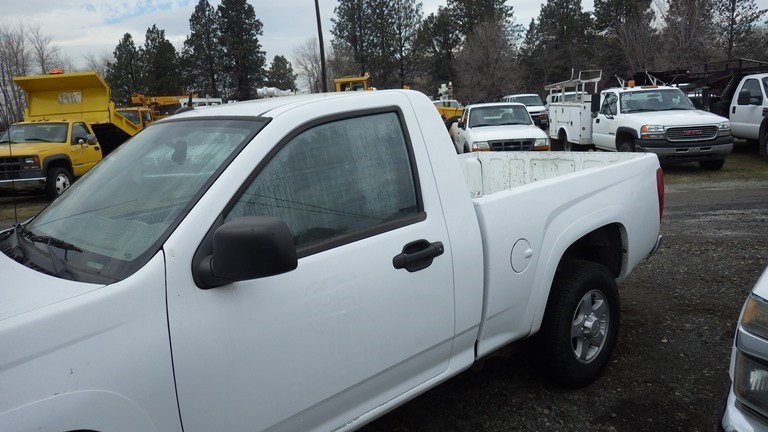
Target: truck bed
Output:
[{"x": 490, "y": 172}]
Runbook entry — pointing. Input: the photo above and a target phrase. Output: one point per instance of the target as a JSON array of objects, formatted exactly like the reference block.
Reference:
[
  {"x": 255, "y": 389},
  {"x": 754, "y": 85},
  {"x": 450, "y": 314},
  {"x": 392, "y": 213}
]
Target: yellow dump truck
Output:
[
  {"x": 69, "y": 125},
  {"x": 353, "y": 83}
]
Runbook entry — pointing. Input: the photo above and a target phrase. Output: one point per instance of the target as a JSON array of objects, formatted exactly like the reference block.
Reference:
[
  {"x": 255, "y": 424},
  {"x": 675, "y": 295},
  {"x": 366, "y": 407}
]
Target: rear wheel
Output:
[
  {"x": 712, "y": 165},
  {"x": 57, "y": 181},
  {"x": 581, "y": 323}
]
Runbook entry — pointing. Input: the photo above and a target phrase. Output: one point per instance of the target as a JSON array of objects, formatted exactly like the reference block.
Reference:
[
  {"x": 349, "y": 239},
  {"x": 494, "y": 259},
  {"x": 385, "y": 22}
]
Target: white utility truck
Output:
[
  {"x": 748, "y": 111},
  {"x": 309, "y": 263},
  {"x": 656, "y": 119}
]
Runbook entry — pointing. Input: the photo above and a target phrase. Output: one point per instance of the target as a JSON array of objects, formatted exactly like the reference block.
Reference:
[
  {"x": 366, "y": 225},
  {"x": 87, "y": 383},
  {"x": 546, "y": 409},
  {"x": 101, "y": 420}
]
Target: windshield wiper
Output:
[
  {"x": 481, "y": 125},
  {"x": 51, "y": 241}
]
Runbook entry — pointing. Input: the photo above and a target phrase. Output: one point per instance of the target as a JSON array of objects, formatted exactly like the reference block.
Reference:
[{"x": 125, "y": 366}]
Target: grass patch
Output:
[{"x": 744, "y": 164}]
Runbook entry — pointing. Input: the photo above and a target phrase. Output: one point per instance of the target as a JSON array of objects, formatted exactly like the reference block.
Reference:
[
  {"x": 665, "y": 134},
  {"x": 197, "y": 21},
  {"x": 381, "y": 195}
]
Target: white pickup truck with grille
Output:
[{"x": 309, "y": 263}]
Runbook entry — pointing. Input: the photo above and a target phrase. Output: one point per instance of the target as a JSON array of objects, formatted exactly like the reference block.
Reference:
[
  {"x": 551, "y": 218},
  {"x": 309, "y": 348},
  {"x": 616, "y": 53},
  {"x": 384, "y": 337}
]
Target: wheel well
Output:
[
  {"x": 604, "y": 246},
  {"x": 562, "y": 135},
  {"x": 63, "y": 163},
  {"x": 623, "y": 136}
]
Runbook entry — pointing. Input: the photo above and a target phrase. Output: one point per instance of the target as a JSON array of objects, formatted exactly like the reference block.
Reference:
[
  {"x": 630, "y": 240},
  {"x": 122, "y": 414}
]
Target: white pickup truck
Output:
[
  {"x": 308, "y": 263},
  {"x": 497, "y": 126}
]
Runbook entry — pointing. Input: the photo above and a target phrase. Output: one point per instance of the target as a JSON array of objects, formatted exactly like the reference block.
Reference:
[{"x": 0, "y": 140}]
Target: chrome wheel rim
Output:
[
  {"x": 590, "y": 326},
  {"x": 62, "y": 183}
]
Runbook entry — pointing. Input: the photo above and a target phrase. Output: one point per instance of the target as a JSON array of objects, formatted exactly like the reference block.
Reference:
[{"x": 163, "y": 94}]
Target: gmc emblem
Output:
[{"x": 692, "y": 132}]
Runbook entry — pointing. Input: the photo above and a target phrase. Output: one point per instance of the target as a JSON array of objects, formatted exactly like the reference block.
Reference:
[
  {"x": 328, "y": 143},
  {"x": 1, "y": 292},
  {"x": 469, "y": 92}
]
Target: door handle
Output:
[
  {"x": 418, "y": 255},
  {"x": 733, "y": 110},
  {"x": 597, "y": 120}
]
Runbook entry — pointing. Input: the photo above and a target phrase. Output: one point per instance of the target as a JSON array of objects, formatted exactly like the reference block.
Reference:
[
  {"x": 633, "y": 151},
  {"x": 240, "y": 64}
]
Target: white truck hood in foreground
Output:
[
  {"x": 492, "y": 133},
  {"x": 677, "y": 118},
  {"x": 24, "y": 290}
]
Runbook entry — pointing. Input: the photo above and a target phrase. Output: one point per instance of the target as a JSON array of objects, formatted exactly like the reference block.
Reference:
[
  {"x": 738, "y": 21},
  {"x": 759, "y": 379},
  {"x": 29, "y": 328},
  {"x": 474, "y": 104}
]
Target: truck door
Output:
[
  {"x": 83, "y": 155},
  {"x": 746, "y": 114},
  {"x": 604, "y": 125},
  {"x": 346, "y": 331}
]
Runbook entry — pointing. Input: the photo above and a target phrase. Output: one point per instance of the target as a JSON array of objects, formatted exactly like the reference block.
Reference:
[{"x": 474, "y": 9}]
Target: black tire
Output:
[
  {"x": 580, "y": 325},
  {"x": 712, "y": 165},
  {"x": 763, "y": 149},
  {"x": 627, "y": 146},
  {"x": 57, "y": 180},
  {"x": 556, "y": 144}
]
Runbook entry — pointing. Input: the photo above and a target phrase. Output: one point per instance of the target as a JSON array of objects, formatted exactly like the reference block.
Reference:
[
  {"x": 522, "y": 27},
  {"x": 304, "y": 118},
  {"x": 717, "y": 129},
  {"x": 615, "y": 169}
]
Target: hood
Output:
[
  {"x": 493, "y": 133},
  {"x": 677, "y": 118},
  {"x": 24, "y": 290},
  {"x": 27, "y": 149}
]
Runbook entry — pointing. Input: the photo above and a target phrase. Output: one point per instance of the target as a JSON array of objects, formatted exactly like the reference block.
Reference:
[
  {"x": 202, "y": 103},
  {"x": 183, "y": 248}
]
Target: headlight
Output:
[
  {"x": 755, "y": 316},
  {"x": 652, "y": 132},
  {"x": 480, "y": 146},
  {"x": 724, "y": 128},
  {"x": 31, "y": 162},
  {"x": 541, "y": 144},
  {"x": 750, "y": 383},
  {"x": 750, "y": 377}
]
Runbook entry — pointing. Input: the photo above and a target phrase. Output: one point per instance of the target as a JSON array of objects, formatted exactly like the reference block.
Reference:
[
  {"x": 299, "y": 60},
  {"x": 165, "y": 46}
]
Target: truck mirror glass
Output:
[
  {"x": 461, "y": 125},
  {"x": 91, "y": 139},
  {"x": 743, "y": 98}
]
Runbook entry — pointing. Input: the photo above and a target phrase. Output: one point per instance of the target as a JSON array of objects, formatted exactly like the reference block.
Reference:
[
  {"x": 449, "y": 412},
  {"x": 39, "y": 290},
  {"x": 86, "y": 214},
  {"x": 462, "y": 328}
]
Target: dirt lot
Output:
[{"x": 669, "y": 372}]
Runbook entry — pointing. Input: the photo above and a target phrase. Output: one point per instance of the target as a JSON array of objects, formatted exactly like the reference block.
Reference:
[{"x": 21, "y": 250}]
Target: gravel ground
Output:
[{"x": 669, "y": 371}]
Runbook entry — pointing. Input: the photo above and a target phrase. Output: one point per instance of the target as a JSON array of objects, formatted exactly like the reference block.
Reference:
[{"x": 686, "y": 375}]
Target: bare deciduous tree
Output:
[
  {"x": 97, "y": 62},
  {"x": 306, "y": 60},
  {"x": 44, "y": 54},
  {"x": 14, "y": 61}
]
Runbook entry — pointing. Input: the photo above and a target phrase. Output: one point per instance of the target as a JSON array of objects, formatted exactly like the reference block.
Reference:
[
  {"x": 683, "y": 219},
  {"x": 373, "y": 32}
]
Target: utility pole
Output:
[{"x": 322, "y": 48}]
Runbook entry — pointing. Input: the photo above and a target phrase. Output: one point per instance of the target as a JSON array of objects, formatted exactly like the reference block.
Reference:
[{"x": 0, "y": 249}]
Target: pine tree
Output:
[
  {"x": 735, "y": 22},
  {"x": 202, "y": 55},
  {"x": 469, "y": 14},
  {"x": 438, "y": 40},
  {"x": 408, "y": 15},
  {"x": 565, "y": 37},
  {"x": 351, "y": 35},
  {"x": 244, "y": 61},
  {"x": 161, "y": 62},
  {"x": 280, "y": 74},
  {"x": 124, "y": 73}
]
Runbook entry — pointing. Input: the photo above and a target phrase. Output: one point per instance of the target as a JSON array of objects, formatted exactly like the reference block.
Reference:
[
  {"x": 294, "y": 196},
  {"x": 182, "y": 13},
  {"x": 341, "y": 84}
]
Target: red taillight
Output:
[{"x": 660, "y": 191}]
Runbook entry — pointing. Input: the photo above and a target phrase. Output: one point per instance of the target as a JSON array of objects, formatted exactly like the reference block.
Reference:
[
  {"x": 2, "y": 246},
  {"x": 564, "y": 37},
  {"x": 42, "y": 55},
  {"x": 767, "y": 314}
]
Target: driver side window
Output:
[
  {"x": 79, "y": 133},
  {"x": 337, "y": 182}
]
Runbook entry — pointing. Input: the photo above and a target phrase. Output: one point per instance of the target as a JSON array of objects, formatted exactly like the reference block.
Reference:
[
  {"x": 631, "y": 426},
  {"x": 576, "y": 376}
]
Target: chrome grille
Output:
[
  {"x": 511, "y": 145},
  {"x": 691, "y": 133}
]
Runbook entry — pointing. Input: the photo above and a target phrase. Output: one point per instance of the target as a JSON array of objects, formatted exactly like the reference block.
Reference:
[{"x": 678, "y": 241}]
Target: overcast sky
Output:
[{"x": 96, "y": 26}]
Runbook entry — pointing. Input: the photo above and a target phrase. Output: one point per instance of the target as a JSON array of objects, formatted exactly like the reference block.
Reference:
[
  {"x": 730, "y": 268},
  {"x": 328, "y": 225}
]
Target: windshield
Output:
[
  {"x": 36, "y": 132},
  {"x": 118, "y": 214},
  {"x": 131, "y": 115},
  {"x": 654, "y": 100},
  {"x": 499, "y": 115},
  {"x": 532, "y": 100}
]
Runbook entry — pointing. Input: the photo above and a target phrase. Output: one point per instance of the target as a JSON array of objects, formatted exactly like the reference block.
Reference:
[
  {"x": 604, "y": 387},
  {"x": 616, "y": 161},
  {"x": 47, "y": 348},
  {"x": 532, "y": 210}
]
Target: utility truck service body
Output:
[
  {"x": 309, "y": 263},
  {"x": 656, "y": 119}
]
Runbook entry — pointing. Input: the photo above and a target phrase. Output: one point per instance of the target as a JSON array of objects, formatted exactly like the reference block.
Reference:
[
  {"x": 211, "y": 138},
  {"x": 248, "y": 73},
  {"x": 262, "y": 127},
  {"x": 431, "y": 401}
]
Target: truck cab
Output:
[
  {"x": 749, "y": 107},
  {"x": 46, "y": 154},
  {"x": 534, "y": 105}
]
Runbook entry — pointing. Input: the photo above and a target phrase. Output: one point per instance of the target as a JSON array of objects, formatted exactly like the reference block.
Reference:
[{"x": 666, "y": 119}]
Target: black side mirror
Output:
[
  {"x": 743, "y": 98},
  {"x": 595, "y": 103},
  {"x": 247, "y": 248},
  {"x": 461, "y": 125}
]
